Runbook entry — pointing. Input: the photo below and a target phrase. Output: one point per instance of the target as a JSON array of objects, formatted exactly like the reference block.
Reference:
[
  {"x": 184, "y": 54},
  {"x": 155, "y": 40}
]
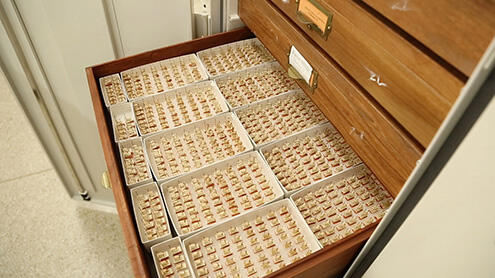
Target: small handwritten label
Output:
[
  {"x": 376, "y": 78},
  {"x": 300, "y": 64},
  {"x": 314, "y": 14}
]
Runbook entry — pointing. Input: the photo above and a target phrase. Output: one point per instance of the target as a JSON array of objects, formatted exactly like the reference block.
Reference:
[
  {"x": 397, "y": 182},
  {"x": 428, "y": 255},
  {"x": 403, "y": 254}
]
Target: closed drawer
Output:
[
  {"x": 459, "y": 31},
  {"x": 412, "y": 87},
  {"x": 375, "y": 137}
]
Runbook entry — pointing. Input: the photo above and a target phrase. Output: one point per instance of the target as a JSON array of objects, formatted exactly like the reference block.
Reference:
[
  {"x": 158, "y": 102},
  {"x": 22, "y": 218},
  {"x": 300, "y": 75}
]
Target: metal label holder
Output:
[
  {"x": 315, "y": 16},
  {"x": 298, "y": 64}
]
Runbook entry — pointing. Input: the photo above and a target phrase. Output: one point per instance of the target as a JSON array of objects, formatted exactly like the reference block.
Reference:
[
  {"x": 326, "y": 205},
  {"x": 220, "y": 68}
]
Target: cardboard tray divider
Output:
[
  {"x": 191, "y": 127},
  {"x": 128, "y": 143},
  {"x": 181, "y": 91},
  {"x": 139, "y": 222},
  {"x": 279, "y": 193}
]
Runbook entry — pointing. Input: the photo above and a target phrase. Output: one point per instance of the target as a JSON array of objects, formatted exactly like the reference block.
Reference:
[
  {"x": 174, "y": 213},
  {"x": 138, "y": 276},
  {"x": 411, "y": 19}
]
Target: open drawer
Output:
[
  {"x": 384, "y": 141},
  {"x": 139, "y": 257}
]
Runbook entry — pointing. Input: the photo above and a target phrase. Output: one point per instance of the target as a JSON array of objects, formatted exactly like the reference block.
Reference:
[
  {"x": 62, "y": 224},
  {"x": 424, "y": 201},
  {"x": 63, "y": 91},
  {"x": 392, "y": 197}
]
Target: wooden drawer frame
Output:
[{"x": 328, "y": 262}]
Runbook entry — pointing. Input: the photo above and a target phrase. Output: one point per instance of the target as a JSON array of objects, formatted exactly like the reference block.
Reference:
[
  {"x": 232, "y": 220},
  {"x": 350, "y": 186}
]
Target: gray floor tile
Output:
[{"x": 44, "y": 234}]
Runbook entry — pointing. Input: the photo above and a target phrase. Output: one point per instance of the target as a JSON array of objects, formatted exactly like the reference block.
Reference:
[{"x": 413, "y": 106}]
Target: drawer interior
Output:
[
  {"x": 329, "y": 261},
  {"x": 139, "y": 258}
]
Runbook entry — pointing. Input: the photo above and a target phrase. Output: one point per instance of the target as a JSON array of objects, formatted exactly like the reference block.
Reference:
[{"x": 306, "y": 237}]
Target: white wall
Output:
[
  {"x": 149, "y": 24},
  {"x": 451, "y": 233}
]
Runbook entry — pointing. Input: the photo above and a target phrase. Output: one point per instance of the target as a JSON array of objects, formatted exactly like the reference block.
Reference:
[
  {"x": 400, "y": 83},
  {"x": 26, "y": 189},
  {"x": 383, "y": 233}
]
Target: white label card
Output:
[{"x": 300, "y": 64}]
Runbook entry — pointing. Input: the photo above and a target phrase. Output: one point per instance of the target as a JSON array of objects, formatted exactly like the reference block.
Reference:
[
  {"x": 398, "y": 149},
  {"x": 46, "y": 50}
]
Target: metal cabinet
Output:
[{"x": 45, "y": 47}]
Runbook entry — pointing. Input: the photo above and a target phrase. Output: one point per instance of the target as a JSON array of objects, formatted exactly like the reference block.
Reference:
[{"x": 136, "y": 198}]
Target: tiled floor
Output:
[{"x": 43, "y": 233}]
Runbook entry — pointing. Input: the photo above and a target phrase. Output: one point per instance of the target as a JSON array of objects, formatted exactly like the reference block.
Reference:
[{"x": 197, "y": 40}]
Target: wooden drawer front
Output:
[
  {"x": 138, "y": 257},
  {"x": 381, "y": 144},
  {"x": 412, "y": 87},
  {"x": 459, "y": 31},
  {"x": 330, "y": 261}
]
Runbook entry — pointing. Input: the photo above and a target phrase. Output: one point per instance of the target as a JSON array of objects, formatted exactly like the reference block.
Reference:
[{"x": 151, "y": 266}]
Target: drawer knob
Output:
[{"x": 105, "y": 180}]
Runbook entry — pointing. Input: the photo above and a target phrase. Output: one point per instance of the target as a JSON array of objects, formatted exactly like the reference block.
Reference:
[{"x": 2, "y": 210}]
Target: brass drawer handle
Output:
[
  {"x": 105, "y": 180},
  {"x": 315, "y": 17},
  {"x": 294, "y": 74}
]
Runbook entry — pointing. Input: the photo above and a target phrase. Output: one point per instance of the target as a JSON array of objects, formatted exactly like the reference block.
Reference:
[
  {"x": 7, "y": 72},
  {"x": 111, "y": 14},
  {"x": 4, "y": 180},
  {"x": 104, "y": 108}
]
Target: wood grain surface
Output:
[
  {"x": 329, "y": 262},
  {"x": 416, "y": 90},
  {"x": 459, "y": 31}
]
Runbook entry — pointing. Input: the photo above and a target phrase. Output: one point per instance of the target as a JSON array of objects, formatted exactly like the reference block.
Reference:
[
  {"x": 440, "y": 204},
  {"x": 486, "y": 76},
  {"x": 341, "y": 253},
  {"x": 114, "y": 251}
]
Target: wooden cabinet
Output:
[
  {"x": 374, "y": 135},
  {"x": 411, "y": 86},
  {"x": 388, "y": 125}
]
